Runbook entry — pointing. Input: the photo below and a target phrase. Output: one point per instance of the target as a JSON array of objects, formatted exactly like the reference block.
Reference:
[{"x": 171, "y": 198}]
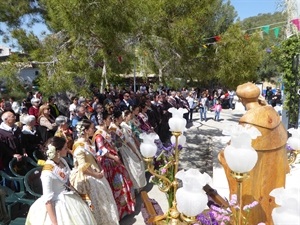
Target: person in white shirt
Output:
[
  {"x": 15, "y": 106},
  {"x": 192, "y": 104},
  {"x": 72, "y": 107}
]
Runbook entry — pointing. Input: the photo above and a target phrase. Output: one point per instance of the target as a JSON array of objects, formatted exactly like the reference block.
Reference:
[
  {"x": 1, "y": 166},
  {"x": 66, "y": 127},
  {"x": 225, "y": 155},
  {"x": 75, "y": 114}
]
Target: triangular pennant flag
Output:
[
  {"x": 217, "y": 38},
  {"x": 296, "y": 22},
  {"x": 266, "y": 29},
  {"x": 276, "y": 31}
]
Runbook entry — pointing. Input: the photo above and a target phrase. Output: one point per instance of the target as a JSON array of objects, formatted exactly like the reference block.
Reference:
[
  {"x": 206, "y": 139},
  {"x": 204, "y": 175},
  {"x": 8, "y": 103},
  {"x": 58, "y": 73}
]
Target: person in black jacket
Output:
[
  {"x": 10, "y": 140},
  {"x": 126, "y": 103},
  {"x": 30, "y": 139}
]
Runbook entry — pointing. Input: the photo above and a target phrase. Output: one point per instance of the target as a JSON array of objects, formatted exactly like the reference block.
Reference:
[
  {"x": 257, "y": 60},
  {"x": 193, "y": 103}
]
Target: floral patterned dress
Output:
[
  {"x": 135, "y": 127},
  {"x": 116, "y": 174}
]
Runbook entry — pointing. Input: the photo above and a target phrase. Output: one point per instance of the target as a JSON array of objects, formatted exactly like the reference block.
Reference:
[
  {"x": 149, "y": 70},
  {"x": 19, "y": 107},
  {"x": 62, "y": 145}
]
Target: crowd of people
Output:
[{"x": 93, "y": 147}]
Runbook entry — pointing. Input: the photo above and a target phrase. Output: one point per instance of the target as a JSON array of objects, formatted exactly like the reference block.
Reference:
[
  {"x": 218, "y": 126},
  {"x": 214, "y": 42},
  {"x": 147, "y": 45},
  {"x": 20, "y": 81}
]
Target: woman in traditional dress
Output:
[
  {"x": 135, "y": 123},
  {"x": 142, "y": 116},
  {"x": 131, "y": 157},
  {"x": 145, "y": 126},
  {"x": 126, "y": 125},
  {"x": 114, "y": 169},
  {"x": 58, "y": 206},
  {"x": 88, "y": 177},
  {"x": 65, "y": 132}
]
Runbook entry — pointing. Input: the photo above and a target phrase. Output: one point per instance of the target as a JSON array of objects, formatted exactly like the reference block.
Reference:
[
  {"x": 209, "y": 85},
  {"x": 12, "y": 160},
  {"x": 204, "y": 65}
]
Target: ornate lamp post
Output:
[
  {"x": 241, "y": 157},
  {"x": 148, "y": 149},
  {"x": 191, "y": 198}
]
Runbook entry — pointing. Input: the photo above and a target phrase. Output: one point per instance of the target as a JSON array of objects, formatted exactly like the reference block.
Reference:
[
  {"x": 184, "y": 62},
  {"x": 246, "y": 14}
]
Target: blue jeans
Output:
[
  {"x": 217, "y": 115},
  {"x": 203, "y": 111}
]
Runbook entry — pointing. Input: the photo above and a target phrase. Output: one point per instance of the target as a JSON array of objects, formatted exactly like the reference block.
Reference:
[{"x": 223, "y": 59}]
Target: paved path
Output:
[{"x": 204, "y": 141}]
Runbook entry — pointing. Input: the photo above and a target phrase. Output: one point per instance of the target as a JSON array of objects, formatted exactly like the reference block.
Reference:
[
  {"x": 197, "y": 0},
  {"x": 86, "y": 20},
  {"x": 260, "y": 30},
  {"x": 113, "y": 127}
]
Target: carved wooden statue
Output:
[{"x": 272, "y": 165}]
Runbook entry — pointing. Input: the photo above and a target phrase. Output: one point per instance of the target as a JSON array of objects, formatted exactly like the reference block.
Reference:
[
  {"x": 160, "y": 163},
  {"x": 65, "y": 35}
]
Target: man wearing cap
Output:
[{"x": 272, "y": 165}]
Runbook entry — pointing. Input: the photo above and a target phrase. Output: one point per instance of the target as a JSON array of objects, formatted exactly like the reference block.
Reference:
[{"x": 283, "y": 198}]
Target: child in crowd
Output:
[{"x": 217, "y": 108}]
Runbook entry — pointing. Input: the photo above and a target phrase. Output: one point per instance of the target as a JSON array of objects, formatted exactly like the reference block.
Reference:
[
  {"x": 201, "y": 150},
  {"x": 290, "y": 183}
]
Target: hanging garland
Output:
[{"x": 289, "y": 58}]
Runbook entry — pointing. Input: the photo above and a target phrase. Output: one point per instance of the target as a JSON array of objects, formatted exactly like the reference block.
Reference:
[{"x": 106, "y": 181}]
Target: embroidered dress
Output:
[
  {"x": 116, "y": 174},
  {"x": 131, "y": 157},
  {"x": 69, "y": 207},
  {"x": 144, "y": 123},
  {"x": 98, "y": 190},
  {"x": 135, "y": 127}
]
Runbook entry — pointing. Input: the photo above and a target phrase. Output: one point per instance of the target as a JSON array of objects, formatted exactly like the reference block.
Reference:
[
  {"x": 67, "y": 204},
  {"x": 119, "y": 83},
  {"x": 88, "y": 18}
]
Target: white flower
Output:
[
  {"x": 51, "y": 151},
  {"x": 80, "y": 129}
]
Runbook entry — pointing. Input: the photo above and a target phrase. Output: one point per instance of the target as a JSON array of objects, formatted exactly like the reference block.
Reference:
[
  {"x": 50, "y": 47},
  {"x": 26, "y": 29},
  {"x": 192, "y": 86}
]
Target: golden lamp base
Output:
[
  {"x": 239, "y": 176},
  {"x": 169, "y": 220}
]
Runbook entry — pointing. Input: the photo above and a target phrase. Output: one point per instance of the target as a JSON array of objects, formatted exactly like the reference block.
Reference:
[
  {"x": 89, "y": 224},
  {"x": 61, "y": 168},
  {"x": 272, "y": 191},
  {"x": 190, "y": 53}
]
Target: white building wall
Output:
[
  {"x": 27, "y": 75},
  {"x": 4, "y": 51}
]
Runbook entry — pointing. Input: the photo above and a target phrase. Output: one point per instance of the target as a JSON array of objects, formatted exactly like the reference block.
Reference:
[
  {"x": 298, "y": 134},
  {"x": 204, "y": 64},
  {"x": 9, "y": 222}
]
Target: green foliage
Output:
[
  {"x": 268, "y": 69},
  {"x": 287, "y": 55},
  {"x": 163, "y": 37},
  {"x": 238, "y": 57},
  {"x": 12, "y": 12}
]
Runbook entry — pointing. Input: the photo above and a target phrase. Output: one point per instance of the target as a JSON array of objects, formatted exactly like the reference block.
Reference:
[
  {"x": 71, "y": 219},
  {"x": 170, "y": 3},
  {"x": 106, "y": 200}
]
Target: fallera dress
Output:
[
  {"x": 98, "y": 190},
  {"x": 116, "y": 174},
  {"x": 131, "y": 157},
  {"x": 70, "y": 209}
]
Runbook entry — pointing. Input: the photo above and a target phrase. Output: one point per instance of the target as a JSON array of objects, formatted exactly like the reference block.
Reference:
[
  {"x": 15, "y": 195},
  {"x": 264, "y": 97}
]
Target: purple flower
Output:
[
  {"x": 289, "y": 148},
  {"x": 163, "y": 170},
  {"x": 250, "y": 206},
  {"x": 207, "y": 218},
  {"x": 233, "y": 200}
]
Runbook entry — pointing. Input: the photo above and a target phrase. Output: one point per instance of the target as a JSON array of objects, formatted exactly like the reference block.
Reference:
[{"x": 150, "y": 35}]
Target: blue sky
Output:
[{"x": 248, "y": 8}]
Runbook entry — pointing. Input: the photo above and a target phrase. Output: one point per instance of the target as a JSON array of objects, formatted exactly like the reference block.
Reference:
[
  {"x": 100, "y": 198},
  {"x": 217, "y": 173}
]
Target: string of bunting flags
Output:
[{"x": 263, "y": 29}]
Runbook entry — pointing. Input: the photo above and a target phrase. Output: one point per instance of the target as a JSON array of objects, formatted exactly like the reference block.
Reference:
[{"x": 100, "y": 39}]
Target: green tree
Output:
[
  {"x": 288, "y": 57},
  {"x": 268, "y": 24},
  {"x": 168, "y": 35},
  {"x": 237, "y": 57},
  {"x": 179, "y": 30}
]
